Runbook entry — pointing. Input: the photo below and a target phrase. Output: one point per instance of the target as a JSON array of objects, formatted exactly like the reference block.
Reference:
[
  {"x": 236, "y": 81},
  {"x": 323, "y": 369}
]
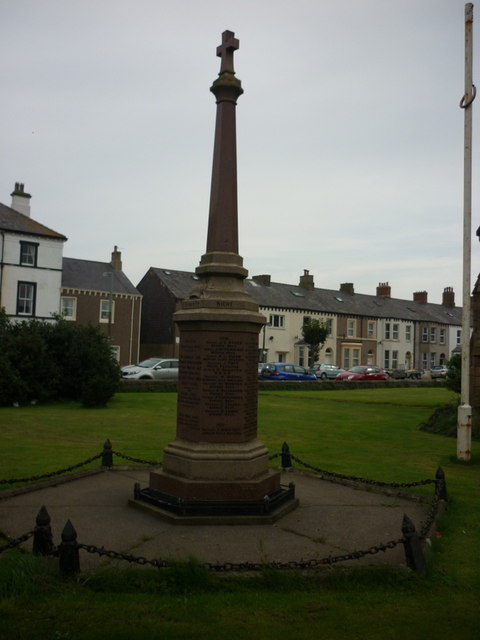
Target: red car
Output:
[{"x": 363, "y": 373}]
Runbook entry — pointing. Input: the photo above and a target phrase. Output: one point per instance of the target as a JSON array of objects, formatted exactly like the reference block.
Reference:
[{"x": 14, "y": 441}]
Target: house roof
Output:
[
  {"x": 277, "y": 295},
  {"x": 11, "y": 220},
  {"x": 89, "y": 276}
]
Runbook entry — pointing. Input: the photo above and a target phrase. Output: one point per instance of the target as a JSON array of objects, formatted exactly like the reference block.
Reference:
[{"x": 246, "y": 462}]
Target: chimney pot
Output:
[
  {"x": 116, "y": 261},
  {"x": 384, "y": 290},
  {"x": 306, "y": 281},
  {"x": 420, "y": 296},
  {"x": 448, "y": 298},
  {"x": 347, "y": 287},
  {"x": 20, "y": 199}
]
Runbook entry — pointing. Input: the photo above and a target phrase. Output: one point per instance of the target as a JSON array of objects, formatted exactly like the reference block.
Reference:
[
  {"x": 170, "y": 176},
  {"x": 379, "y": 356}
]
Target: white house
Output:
[{"x": 30, "y": 262}]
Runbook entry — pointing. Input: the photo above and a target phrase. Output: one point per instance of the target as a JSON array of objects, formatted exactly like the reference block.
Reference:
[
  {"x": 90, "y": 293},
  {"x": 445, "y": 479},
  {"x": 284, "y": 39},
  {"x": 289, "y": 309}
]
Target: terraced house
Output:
[{"x": 362, "y": 329}]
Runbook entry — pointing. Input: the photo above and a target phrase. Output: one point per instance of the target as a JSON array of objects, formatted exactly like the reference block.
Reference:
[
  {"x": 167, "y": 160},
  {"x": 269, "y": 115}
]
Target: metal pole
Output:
[{"x": 464, "y": 424}]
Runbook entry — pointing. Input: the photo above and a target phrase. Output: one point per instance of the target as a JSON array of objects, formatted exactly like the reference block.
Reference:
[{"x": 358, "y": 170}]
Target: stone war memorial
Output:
[{"x": 216, "y": 470}]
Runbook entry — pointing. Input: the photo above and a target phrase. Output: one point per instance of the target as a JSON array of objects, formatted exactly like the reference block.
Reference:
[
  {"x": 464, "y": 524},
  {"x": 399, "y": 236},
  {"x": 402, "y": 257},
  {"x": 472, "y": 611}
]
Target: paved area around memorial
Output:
[{"x": 331, "y": 519}]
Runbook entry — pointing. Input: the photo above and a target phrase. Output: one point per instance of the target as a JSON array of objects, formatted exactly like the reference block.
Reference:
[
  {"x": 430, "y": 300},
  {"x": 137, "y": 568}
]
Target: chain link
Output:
[
  {"x": 52, "y": 473},
  {"x": 379, "y": 483},
  {"x": 152, "y": 463},
  {"x": 16, "y": 542}
]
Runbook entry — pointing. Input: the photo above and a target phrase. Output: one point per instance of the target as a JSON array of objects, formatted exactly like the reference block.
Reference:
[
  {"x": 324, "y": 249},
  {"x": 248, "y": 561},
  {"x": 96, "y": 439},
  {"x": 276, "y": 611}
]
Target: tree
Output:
[
  {"x": 55, "y": 360},
  {"x": 454, "y": 373},
  {"x": 314, "y": 333}
]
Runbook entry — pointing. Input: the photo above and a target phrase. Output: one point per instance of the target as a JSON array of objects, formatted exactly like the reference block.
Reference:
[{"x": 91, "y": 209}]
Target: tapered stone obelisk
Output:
[{"x": 216, "y": 464}]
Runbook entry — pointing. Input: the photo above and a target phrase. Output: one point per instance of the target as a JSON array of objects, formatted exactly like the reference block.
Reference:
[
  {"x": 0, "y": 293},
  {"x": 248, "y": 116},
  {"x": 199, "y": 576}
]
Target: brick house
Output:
[
  {"x": 363, "y": 329},
  {"x": 90, "y": 289}
]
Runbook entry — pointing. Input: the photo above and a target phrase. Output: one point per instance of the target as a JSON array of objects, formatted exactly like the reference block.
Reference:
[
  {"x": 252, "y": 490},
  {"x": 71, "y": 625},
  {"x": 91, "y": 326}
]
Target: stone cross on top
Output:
[{"x": 225, "y": 51}]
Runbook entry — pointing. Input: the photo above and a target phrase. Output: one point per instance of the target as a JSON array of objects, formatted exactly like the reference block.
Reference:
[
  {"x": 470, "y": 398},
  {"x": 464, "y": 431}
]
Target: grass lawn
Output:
[{"x": 370, "y": 433}]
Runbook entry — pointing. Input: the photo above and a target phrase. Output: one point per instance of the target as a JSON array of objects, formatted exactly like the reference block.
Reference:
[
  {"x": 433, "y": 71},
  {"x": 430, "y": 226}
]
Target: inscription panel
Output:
[{"x": 217, "y": 386}]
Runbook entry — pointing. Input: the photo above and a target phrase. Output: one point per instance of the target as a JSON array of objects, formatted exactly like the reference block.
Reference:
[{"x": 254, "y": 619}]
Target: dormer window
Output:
[{"x": 28, "y": 254}]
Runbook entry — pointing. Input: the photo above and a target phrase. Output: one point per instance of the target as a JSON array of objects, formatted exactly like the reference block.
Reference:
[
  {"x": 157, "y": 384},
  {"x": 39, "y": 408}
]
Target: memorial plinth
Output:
[{"x": 216, "y": 466}]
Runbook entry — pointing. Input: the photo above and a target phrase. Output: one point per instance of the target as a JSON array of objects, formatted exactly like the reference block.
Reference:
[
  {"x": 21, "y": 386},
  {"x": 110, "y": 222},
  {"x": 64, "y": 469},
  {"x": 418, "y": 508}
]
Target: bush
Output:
[
  {"x": 55, "y": 360},
  {"x": 454, "y": 373}
]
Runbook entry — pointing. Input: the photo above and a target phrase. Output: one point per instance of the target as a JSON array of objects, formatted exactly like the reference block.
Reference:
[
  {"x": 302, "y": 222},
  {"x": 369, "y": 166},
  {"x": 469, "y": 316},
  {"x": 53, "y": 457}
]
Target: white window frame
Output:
[
  {"x": 277, "y": 321},
  {"x": 425, "y": 334},
  {"x": 387, "y": 331},
  {"x": 394, "y": 332},
  {"x": 433, "y": 334},
  {"x": 26, "y": 298},
  {"x": 351, "y": 328},
  {"x": 371, "y": 329},
  {"x": 395, "y": 359},
  {"x": 408, "y": 333},
  {"x": 386, "y": 359},
  {"x": 442, "y": 337},
  {"x": 73, "y": 306},
  {"x": 104, "y": 309}
]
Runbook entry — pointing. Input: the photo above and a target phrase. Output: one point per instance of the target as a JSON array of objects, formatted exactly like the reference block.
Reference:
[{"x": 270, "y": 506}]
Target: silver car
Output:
[
  {"x": 324, "y": 371},
  {"x": 152, "y": 369}
]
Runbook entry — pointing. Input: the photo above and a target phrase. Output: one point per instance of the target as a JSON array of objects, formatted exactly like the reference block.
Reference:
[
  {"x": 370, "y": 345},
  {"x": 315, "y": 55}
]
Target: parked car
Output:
[
  {"x": 324, "y": 371},
  {"x": 284, "y": 371},
  {"x": 363, "y": 373},
  {"x": 152, "y": 369},
  {"x": 401, "y": 374},
  {"x": 440, "y": 371}
]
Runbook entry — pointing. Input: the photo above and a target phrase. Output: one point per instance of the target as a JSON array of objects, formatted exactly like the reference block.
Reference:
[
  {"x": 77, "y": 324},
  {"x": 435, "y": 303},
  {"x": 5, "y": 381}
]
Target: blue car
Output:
[{"x": 283, "y": 371}]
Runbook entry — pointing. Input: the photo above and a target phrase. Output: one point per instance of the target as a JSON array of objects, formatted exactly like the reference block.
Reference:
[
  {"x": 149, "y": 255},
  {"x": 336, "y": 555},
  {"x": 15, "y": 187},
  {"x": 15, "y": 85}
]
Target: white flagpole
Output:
[{"x": 464, "y": 425}]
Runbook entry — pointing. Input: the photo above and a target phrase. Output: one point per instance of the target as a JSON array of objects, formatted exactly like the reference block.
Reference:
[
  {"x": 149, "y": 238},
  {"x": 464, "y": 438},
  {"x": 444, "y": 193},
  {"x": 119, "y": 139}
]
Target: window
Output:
[
  {"x": 387, "y": 331},
  {"x": 105, "y": 311},
  {"x": 28, "y": 254},
  {"x": 68, "y": 308},
  {"x": 116, "y": 352},
  {"x": 277, "y": 321},
  {"x": 346, "y": 359},
  {"x": 425, "y": 334},
  {"x": 433, "y": 359},
  {"x": 408, "y": 333},
  {"x": 442, "y": 359},
  {"x": 351, "y": 328},
  {"x": 424, "y": 360},
  {"x": 301, "y": 356},
  {"x": 433, "y": 334},
  {"x": 442, "y": 338},
  {"x": 386, "y": 359},
  {"x": 395, "y": 332},
  {"x": 459, "y": 336},
  {"x": 355, "y": 357},
  {"x": 371, "y": 329},
  {"x": 394, "y": 359},
  {"x": 26, "y": 297}
]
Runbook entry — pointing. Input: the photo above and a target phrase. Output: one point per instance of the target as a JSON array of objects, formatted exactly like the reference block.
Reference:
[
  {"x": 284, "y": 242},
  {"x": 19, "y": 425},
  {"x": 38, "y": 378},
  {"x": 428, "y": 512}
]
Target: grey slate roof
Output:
[
  {"x": 88, "y": 275},
  {"x": 289, "y": 297},
  {"x": 11, "y": 220}
]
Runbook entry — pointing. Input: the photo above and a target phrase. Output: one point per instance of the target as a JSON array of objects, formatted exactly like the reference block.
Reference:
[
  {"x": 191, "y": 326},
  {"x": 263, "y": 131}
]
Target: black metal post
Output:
[
  {"x": 286, "y": 457},
  {"x": 107, "y": 455},
  {"x": 68, "y": 556},
  {"x": 414, "y": 555},
  {"x": 42, "y": 535}
]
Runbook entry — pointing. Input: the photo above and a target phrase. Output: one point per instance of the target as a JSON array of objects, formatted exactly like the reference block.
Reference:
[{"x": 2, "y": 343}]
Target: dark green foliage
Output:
[
  {"x": 42, "y": 361},
  {"x": 454, "y": 373},
  {"x": 314, "y": 333},
  {"x": 444, "y": 421}
]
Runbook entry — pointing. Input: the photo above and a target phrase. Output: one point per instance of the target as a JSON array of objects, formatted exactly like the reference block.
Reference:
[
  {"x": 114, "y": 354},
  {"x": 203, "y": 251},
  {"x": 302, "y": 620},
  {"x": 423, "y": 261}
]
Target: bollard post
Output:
[
  {"x": 286, "y": 457},
  {"x": 440, "y": 484},
  {"x": 414, "y": 555},
  {"x": 68, "y": 557},
  {"x": 42, "y": 534},
  {"x": 107, "y": 454}
]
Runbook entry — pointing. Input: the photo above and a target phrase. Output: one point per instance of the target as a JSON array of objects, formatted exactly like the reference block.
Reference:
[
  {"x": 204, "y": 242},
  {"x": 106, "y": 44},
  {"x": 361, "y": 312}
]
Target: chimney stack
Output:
[
  {"x": 20, "y": 199},
  {"x": 306, "y": 281},
  {"x": 384, "y": 290},
  {"x": 263, "y": 280},
  {"x": 347, "y": 287},
  {"x": 448, "y": 298},
  {"x": 116, "y": 261},
  {"x": 420, "y": 296}
]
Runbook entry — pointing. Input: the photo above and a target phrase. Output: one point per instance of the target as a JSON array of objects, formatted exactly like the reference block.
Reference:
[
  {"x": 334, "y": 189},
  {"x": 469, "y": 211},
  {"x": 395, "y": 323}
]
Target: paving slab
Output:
[{"x": 331, "y": 520}]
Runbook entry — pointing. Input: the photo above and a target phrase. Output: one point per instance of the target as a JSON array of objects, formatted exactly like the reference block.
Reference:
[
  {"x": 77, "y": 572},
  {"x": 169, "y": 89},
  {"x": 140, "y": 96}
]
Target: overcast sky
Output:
[{"x": 349, "y": 133}]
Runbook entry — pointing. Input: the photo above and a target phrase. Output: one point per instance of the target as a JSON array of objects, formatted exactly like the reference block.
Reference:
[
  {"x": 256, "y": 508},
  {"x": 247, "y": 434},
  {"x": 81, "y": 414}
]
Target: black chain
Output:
[
  {"x": 247, "y": 566},
  {"x": 432, "y": 513},
  {"x": 52, "y": 473},
  {"x": 378, "y": 483},
  {"x": 152, "y": 463},
  {"x": 16, "y": 542}
]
